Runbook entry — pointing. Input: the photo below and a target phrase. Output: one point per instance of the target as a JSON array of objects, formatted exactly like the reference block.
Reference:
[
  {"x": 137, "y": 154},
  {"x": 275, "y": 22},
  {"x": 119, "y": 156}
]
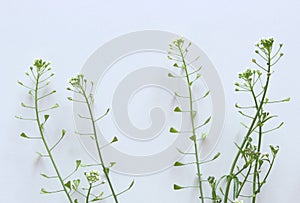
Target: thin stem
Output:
[
  {"x": 88, "y": 194},
  {"x": 98, "y": 145},
  {"x": 45, "y": 142},
  {"x": 255, "y": 176},
  {"x": 268, "y": 173},
  {"x": 231, "y": 173},
  {"x": 245, "y": 180},
  {"x": 193, "y": 126}
]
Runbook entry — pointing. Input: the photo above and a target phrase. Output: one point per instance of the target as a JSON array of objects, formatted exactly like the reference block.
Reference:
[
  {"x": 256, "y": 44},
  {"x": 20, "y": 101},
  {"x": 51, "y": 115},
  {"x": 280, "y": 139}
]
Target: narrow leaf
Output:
[
  {"x": 177, "y": 109},
  {"x": 207, "y": 121},
  {"x": 68, "y": 184},
  {"x": 171, "y": 75},
  {"x": 44, "y": 191},
  {"x": 194, "y": 113},
  {"x": 46, "y": 117},
  {"x": 216, "y": 156},
  {"x": 24, "y": 135},
  {"x": 274, "y": 149},
  {"x": 193, "y": 138},
  {"x": 131, "y": 184},
  {"x": 46, "y": 176},
  {"x": 63, "y": 132},
  {"x": 177, "y": 163},
  {"x": 75, "y": 184},
  {"x": 78, "y": 162},
  {"x": 106, "y": 170},
  {"x": 177, "y": 187},
  {"x": 115, "y": 139},
  {"x": 173, "y": 130},
  {"x": 204, "y": 136}
]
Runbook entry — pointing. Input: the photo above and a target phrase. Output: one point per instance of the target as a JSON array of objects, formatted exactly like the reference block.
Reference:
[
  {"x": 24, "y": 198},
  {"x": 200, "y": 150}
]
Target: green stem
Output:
[
  {"x": 98, "y": 145},
  {"x": 231, "y": 174},
  {"x": 268, "y": 173},
  {"x": 88, "y": 194},
  {"x": 259, "y": 145},
  {"x": 193, "y": 127},
  {"x": 245, "y": 180},
  {"x": 45, "y": 142},
  {"x": 255, "y": 173}
]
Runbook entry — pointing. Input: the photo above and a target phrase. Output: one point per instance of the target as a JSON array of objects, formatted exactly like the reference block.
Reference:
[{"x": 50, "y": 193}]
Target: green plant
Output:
[
  {"x": 40, "y": 75},
  {"x": 178, "y": 51},
  {"x": 249, "y": 163},
  {"x": 251, "y": 167},
  {"x": 80, "y": 87}
]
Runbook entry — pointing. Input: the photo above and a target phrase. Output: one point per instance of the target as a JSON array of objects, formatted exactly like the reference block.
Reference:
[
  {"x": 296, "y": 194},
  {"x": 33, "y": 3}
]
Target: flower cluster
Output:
[
  {"x": 76, "y": 81},
  {"x": 92, "y": 176}
]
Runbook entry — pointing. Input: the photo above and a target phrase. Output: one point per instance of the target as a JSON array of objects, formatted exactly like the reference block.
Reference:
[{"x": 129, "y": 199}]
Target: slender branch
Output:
[{"x": 45, "y": 142}]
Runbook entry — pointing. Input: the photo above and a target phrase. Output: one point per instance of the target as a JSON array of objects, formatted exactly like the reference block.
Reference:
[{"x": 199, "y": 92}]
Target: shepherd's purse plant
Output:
[
  {"x": 251, "y": 166},
  {"x": 39, "y": 76}
]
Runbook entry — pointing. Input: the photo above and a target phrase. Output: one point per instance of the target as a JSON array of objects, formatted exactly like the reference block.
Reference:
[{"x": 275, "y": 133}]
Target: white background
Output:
[{"x": 67, "y": 33}]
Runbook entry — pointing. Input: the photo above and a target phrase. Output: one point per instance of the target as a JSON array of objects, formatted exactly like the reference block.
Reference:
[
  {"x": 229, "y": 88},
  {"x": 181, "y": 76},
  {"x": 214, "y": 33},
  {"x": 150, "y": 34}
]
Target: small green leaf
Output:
[
  {"x": 68, "y": 184},
  {"x": 44, "y": 191},
  {"x": 171, "y": 75},
  {"x": 207, "y": 121},
  {"x": 211, "y": 180},
  {"x": 177, "y": 187},
  {"x": 78, "y": 162},
  {"x": 173, "y": 130},
  {"x": 46, "y": 176},
  {"x": 177, "y": 163},
  {"x": 274, "y": 149},
  {"x": 24, "y": 135},
  {"x": 131, "y": 184},
  {"x": 39, "y": 154},
  {"x": 206, "y": 94},
  {"x": 63, "y": 132},
  {"x": 115, "y": 139},
  {"x": 75, "y": 184},
  {"x": 46, "y": 117},
  {"x": 204, "y": 136},
  {"x": 216, "y": 156},
  {"x": 194, "y": 114},
  {"x": 96, "y": 199},
  {"x": 106, "y": 170},
  {"x": 112, "y": 164},
  {"x": 177, "y": 109},
  {"x": 193, "y": 138}
]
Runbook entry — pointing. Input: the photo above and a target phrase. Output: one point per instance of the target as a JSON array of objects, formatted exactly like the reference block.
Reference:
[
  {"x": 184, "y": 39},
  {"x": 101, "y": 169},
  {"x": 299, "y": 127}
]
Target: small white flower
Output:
[
  {"x": 92, "y": 176},
  {"x": 238, "y": 201}
]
